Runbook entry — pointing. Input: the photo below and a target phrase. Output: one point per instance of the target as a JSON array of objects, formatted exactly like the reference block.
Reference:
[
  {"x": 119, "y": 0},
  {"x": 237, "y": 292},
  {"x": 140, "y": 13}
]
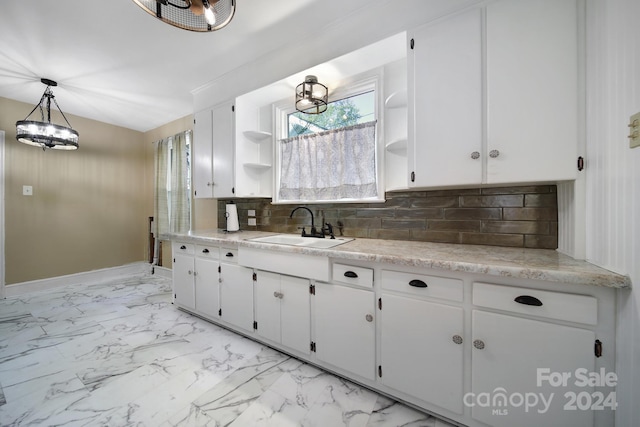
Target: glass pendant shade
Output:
[
  {"x": 311, "y": 96},
  {"x": 45, "y": 134}
]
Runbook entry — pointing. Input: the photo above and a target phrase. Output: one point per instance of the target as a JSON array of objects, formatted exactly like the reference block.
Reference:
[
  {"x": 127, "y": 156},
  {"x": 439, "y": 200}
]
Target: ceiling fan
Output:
[{"x": 192, "y": 15}]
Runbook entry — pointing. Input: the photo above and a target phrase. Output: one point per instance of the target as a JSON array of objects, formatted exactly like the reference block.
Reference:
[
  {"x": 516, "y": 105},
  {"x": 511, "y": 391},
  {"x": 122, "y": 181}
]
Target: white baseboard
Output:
[
  {"x": 162, "y": 271},
  {"x": 78, "y": 278}
]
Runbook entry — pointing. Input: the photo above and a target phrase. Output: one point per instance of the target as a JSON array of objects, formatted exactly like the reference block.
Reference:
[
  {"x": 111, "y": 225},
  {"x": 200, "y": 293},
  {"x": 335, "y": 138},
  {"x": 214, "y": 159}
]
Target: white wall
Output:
[
  {"x": 381, "y": 20},
  {"x": 613, "y": 174}
]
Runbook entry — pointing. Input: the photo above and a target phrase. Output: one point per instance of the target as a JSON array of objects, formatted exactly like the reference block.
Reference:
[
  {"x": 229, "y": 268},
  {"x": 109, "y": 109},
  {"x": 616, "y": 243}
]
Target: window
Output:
[
  {"x": 333, "y": 156},
  {"x": 344, "y": 112},
  {"x": 172, "y": 207}
]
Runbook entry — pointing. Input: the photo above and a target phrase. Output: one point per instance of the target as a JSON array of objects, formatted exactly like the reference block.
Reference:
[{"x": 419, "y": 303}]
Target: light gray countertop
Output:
[{"x": 540, "y": 264}]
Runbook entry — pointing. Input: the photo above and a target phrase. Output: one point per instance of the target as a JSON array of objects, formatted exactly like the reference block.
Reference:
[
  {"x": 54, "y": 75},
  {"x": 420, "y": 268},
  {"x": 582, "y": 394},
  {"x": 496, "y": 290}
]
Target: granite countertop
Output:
[{"x": 540, "y": 264}]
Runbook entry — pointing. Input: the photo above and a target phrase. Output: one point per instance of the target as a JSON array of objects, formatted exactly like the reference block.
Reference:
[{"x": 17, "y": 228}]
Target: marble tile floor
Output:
[{"x": 119, "y": 353}]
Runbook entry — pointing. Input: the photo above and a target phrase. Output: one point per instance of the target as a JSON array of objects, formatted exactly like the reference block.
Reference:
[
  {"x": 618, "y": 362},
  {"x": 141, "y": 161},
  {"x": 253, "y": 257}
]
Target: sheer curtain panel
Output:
[
  {"x": 331, "y": 165},
  {"x": 180, "y": 214},
  {"x": 161, "y": 201}
]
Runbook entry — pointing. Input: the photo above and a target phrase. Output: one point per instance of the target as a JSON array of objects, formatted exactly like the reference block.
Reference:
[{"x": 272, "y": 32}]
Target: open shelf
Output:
[
  {"x": 257, "y": 136},
  {"x": 397, "y": 99},
  {"x": 397, "y": 146},
  {"x": 257, "y": 166}
]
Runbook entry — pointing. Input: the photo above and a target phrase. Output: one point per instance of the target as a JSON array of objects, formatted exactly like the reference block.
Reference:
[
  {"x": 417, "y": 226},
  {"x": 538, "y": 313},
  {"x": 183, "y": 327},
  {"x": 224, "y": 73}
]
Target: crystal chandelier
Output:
[{"x": 45, "y": 134}]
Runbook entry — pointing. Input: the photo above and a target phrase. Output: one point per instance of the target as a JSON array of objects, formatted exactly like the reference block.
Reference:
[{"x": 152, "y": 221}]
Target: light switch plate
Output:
[
  {"x": 252, "y": 221},
  {"x": 634, "y": 131},
  {"x": 251, "y": 212},
  {"x": 27, "y": 190}
]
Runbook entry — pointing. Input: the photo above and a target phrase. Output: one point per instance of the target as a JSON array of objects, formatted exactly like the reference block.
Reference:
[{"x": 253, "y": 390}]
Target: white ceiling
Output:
[{"x": 117, "y": 64}]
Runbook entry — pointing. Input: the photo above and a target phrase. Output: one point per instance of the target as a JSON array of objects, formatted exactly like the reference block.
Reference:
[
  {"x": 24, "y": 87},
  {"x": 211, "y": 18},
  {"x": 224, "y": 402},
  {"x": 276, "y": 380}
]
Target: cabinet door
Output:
[
  {"x": 532, "y": 90},
  {"x": 295, "y": 313},
  {"x": 202, "y": 151},
  {"x": 267, "y": 290},
  {"x": 344, "y": 335},
  {"x": 507, "y": 353},
  {"x": 223, "y": 147},
  {"x": 207, "y": 286},
  {"x": 236, "y": 295},
  {"x": 445, "y": 102},
  {"x": 183, "y": 283},
  {"x": 419, "y": 354}
]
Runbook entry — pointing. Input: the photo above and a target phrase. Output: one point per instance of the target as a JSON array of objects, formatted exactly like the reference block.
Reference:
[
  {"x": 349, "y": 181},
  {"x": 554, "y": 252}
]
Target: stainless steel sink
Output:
[{"x": 295, "y": 240}]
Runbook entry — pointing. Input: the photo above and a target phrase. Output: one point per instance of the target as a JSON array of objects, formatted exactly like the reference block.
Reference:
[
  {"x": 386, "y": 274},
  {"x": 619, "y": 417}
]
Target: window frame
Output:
[{"x": 357, "y": 85}]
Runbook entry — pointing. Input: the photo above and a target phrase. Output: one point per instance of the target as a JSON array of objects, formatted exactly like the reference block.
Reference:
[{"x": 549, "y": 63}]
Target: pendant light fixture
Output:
[
  {"x": 311, "y": 96},
  {"x": 43, "y": 133},
  {"x": 192, "y": 15}
]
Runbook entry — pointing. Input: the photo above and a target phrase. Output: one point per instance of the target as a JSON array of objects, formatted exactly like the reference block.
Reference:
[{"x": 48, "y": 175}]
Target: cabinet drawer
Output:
[
  {"x": 423, "y": 285},
  {"x": 229, "y": 255},
  {"x": 182, "y": 248},
  {"x": 547, "y": 304},
  {"x": 352, "y": 275},
  {"x": 204, "y": 251}
]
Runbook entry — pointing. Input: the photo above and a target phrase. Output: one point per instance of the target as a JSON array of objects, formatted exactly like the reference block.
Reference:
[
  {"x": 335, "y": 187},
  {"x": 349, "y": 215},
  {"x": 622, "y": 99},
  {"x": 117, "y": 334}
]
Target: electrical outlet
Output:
[
  {"x": 27, "y": 190},
  {"x": 252, "y": 221},
  {"x": 251, "y": 212},
  {"x": 634, "y": 131}
]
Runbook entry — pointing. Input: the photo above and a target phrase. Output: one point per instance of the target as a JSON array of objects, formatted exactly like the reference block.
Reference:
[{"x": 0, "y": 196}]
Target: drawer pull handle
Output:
[
  {"x": 528, "y": 300},
  {"x": 229, "y": 254},
  {"x": 417, "y": 283},
  {"x": 183, "y": 247},
  {"x": 351, "y": 274},
  {"x": 205, "y": 251},
  {"x": 479, "y": 344}
]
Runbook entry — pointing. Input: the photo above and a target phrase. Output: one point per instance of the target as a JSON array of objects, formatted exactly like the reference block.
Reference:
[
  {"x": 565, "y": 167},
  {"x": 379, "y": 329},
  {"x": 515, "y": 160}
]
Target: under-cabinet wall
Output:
[{"x": 507, "y": 216}]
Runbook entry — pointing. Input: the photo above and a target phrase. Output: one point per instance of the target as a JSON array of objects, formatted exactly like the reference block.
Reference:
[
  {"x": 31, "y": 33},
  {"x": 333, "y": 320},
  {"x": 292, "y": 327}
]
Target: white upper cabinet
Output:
[
  {"x": 213, "y": 152},
  {"x": 445, "y": 102},
  {"x": 532, "y": 51},
  {"x": 223, "y": 149},
  {"x": 499, "y": 108},
  {"x": 202, "y": 151}
]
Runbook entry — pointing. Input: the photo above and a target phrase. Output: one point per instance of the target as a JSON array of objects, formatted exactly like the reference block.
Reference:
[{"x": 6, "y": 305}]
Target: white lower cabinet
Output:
[
  {"x": 481, "y": 354},
  {"x": 422, "y": 351},
  {"x": 507, "y": 353},
  {"x": 282, "y": 310},
  {"x": 345, "y": 328},
  {"x": 236, "y": 295},
  {"x": 183, "y": 282},
  {"x": 207, "y": 286}
]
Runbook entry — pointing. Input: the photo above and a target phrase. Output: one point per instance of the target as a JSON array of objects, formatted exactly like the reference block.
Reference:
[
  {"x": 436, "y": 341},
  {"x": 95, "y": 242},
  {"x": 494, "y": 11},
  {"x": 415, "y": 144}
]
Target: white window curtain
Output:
[
  {"x": 172, "y": 204},
  {"x": 180, "y": 213},
  {"x": 332, "y": 165}
]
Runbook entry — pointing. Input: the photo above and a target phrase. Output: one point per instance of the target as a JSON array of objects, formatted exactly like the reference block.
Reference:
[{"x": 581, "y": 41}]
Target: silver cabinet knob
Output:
[
  {"x": 457, "y": 339},
  {"x": 278, "y": 295},
  {"x": 479, "y": 344},
  {"x": 190, "y": 272},
  {"x": 475, "y": 155},
  {"x": 369, "y": 318},
  {"x": 494, "y": 153}
]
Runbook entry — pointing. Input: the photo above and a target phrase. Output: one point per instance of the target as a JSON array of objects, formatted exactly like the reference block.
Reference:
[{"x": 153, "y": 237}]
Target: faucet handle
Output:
[
  {"x": 304, "y": 232},
  {"x": 330, "y": 230}
]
